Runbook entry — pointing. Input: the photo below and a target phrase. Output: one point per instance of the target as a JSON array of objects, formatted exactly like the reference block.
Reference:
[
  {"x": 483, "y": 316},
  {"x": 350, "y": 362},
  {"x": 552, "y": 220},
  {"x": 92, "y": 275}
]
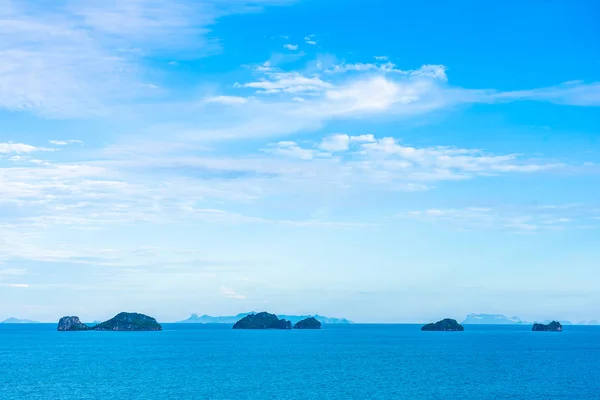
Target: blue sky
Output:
[{"x": 381, "y": 162}]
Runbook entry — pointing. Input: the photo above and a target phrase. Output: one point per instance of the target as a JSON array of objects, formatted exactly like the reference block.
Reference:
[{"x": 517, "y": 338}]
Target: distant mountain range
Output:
[
  {"x": 590, "y": 322},
  {"x": 499, "y": 319},
  {"x": 207, "y": 319},
  {"x": 491, "y": 319},
  {"x": 18, "y": 321}
]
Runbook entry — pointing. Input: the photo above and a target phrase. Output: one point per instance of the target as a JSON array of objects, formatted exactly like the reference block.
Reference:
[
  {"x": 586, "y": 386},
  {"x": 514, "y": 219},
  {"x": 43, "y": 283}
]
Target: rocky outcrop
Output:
[
  {"x": 72, "y": 324},
  {"x": 445, "y": 325},
  {"x": 308, "y": 323},
  {"x": 553, "y": 326},
  {"x": 121, "y": 322},
  {"x": 262, "y": 320}
]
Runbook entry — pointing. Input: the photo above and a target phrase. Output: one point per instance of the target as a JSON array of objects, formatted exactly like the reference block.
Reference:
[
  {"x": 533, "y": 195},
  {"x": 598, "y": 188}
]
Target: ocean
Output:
[{"x": 189, "y": 361}]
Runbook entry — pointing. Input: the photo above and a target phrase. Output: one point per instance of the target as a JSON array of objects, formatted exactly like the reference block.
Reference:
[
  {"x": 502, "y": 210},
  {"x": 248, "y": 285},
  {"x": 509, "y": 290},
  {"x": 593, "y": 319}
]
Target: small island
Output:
[
  {"x": 553, "y": 326},
  {"x": 308, "y": 323},
  {"x": 121, "y": 322},
  {"x": 72, "y": 324},
  {"x": 262, "y": 320},
  {"x": 445, "y": 325}
]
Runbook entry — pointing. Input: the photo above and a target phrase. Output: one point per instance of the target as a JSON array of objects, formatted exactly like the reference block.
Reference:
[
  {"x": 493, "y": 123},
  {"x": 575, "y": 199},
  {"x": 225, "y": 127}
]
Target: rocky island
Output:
[
  {"x": 445, "y": 325},
  {"x": 120, "y": 322},
  {"x": 262, "y": 320},
  {"x": 308, "y": 323},
  {"x": 72, "y": 324},
  {"x": 553, "y": 326}
]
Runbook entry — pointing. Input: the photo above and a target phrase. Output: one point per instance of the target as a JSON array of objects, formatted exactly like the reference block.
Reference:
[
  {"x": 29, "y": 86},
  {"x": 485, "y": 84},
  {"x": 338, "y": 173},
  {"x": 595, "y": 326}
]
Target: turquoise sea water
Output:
[{"x": 337, "y": 362}]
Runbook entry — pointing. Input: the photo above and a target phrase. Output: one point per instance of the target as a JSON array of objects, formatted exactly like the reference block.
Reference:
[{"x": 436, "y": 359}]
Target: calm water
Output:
[{"x": 338, "y": 362}]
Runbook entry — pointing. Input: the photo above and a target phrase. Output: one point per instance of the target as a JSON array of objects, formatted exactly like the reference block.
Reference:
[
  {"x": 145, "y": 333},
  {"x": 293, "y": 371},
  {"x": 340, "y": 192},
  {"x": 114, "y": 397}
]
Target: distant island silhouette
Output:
[
  {"x": 499, "y": 319},
  {"x": 491, "y": 319},
  {"x": 207, "y": 319},
  {"x": 18, "y": 321}
]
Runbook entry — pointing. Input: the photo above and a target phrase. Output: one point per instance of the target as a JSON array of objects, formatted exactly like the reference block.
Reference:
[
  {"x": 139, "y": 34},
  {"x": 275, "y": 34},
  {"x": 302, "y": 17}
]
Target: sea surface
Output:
[{"x": 189, "y": 361}]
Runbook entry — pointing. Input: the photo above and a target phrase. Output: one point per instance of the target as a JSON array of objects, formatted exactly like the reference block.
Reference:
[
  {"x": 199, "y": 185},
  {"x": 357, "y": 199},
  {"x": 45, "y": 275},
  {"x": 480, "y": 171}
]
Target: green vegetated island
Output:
[
  {"x": 450, "y": 325},
  {"x": 553, "y": 326},
  {"x": 140, "y": 322},
  {"x": 445, "y": 325},
  {"x": 263, "y": 320},
  {"x": 121, "y": 322}
]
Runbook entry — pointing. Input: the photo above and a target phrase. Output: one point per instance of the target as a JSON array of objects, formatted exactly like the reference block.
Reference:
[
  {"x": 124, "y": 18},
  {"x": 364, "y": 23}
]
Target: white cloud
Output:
[
  {"x": 65, "y": 142},
  {"x": 79, "y": 58},
  {"x": 369, "y": 137},
  {"x": 16, "y": 285},
  {"x": 307, "y": 100},
  {"x": 291, "y": 46},
  {"x": 522, "y": 219},
  {"x": 571, "y": 93},
  {"x": 338, "y": 142},
  {"x": 341, "y": 141},
  {"x": 13, "y": 272},
  {"x": 288, "y": 82},
  {"x": 430, "y": 71},
  {"x": 293, "y": 150},
  {"x": 229, "y": 292},
  {"x": 310, "y": 39},
  {"x": 20, "y": 148},
  {"x": 375, "y": 95},
  {"x": 381, "y": 58},
  {"x": 448, "y": 158},
  {"x": 227, "y": 100},
  {"x": 364, "y": 67},
  {"x": 167, "y": 187}
]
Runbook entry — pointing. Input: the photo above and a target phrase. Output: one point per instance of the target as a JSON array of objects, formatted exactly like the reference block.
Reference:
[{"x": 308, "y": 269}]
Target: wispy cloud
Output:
[
  {"x": 302, "y": 100},
  {"x": 310, "y": 39},
  {"x": 293, "y": 150},
  {"x": 291, "y": 46},
  {"x": 341, "y": 141},
  {"x": 292, "y": 82},
  {"x": 575, "y": 93},
  {"x": 20, "y": 148},
  {"x": 522, "y": 219},
  {"x": 230, "y": 293},
  {"x": 166, "y": 188},
  {"x": 428, "y": 71},
  {"x": 12, "y": 272},
  {"x": 226, "y": 100},
  {"x": 15, "y": 285},
  {"x": 65, "y": 142},
  {"x": 78, "y": 58}
]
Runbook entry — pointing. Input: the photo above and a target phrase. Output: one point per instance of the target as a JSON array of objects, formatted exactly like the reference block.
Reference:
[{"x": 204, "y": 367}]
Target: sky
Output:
[{"x": 380, "y": 161}]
